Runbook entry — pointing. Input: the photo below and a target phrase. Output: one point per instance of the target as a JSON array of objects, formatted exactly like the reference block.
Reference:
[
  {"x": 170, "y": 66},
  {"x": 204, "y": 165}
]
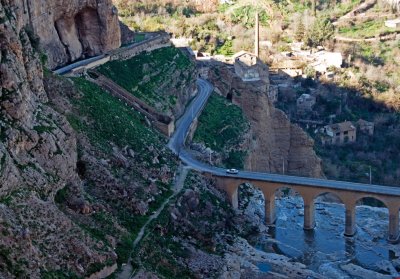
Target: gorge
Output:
[{"x": 81, "y": 172}]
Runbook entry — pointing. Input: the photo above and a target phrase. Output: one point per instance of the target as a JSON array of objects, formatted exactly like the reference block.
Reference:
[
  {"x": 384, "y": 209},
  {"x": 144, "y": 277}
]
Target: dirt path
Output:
[
  {"x": 392, "y": 36},
  {"x": 127, "y": 270}
]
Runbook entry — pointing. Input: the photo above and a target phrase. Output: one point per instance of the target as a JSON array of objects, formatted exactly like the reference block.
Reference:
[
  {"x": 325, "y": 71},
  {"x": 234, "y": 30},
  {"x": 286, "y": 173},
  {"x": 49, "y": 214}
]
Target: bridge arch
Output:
[
  {"x": 329, "y": 197},
  {"x": 285, "y": 191},
  {"x": 349, "y": 198},
  {"x": 371, "y": 201},
  {"x": 393, "y": 214},
  {"x": 271, "y": 192},
  {"x": 248, "y": 191}
]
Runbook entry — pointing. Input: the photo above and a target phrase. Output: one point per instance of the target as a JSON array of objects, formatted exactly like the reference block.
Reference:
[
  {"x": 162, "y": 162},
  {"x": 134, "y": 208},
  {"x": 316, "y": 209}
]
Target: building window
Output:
[{"x": 345, "y": 132}]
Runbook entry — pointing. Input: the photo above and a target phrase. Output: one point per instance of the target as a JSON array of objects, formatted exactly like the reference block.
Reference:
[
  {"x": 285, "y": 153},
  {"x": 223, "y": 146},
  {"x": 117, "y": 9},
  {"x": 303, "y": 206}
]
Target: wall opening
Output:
[
  {"x": 89, "y": 31},
  {"x": 251, "y": 201},
  {"x": 372, "y": 219},
  {"x": 229, "y": 96}
]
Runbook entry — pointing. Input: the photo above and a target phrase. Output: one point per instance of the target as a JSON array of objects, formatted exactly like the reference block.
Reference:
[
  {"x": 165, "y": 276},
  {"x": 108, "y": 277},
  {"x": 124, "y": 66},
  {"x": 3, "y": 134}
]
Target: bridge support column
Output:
[
  {"x": 309, "y": 217},
  {"x": 270, "y": 213},
  {"x": 350, "y": 221},
  {"x": 394, "y": 233},
  {"x": 231, "y": 190},
  {"x": 234, "y": 198}
]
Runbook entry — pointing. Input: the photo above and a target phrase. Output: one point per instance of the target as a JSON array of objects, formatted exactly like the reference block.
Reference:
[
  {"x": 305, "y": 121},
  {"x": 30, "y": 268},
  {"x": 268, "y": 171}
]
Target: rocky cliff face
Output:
[
  {"x": 70, "y": 30},
  {"x": 34, "y": 139},
  {"x": 37, "y": 158},
  {"x": 64, "y": 215},
  {"x": 274, "y": 139}
]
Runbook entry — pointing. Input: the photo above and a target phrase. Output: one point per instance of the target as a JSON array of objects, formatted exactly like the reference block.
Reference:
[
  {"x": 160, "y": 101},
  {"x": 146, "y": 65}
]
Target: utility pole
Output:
[
  {"x": 257, "y": 36},
  {"x": 370, "y": 175},
  {"x": 283, "y": 165}
]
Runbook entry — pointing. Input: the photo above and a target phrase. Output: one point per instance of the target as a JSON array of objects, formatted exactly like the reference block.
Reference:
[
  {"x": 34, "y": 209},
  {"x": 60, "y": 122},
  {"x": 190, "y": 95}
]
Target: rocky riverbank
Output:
[{"x": 325, "y": 251}]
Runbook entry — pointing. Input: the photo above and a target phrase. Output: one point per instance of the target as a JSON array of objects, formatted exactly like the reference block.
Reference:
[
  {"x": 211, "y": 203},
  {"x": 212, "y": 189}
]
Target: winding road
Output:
[{"x": 177, "y": 145}]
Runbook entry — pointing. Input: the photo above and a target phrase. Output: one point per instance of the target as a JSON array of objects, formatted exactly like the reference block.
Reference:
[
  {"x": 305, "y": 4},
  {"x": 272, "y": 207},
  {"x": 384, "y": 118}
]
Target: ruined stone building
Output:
[
  {"x": 339, "y": 133},
  {"x": 366, "y": 126},
  {"x": 305, "y": 103}
]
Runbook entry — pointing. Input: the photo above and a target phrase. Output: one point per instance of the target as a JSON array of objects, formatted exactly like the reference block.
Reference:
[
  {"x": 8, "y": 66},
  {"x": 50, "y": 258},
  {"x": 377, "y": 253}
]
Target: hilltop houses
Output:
[{"x": 293, "y": 62}]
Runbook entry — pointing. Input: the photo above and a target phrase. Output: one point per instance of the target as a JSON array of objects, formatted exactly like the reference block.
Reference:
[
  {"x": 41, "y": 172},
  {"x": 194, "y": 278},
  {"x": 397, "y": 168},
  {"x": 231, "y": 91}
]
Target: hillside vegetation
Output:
[
  {"x": 192, "y": 236},
  {"x": 116, "y": 188},
  {"x": 222, "y": 127},
  {"x": 148, "y": 76}
]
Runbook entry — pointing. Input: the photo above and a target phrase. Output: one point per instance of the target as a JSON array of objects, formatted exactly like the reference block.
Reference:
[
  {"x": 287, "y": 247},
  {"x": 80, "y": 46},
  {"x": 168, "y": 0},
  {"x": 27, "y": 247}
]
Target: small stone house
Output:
[
  {"x": 393, "y": 23},
  {"x": 365, "y": 126},
  {"x": 249, "y": 67},
  {"x": 339, "y": 133},
  {"x": 305, "y": 103}
]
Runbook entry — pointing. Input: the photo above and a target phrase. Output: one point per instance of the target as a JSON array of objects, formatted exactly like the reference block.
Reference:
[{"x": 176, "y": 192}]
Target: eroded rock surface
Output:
[
  {"x": 70, "y": 30},
  {"x": 37, "y": 158}
]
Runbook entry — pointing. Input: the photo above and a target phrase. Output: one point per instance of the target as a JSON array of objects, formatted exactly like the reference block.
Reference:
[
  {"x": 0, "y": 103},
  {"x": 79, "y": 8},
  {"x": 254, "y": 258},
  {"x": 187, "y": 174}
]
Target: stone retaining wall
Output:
[{"x": 164, "y": 123}]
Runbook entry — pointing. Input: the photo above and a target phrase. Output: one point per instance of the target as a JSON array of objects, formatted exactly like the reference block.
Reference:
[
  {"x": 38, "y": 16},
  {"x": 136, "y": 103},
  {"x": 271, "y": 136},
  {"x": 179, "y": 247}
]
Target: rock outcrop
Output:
[
  {"x": 38, "y": 157},
  {"x": 34, "y": 139},
  {"x": 70, "y": 30},
  {"x": 275, "y": 141}
]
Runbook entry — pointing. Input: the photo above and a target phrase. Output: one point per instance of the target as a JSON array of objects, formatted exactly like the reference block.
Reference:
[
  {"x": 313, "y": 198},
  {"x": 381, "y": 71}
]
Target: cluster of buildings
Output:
[
  {"x": 250, "y": 69},
  {"x": 292, "y": 62}
]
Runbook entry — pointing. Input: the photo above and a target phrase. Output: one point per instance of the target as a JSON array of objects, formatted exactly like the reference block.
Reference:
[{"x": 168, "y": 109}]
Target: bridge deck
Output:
[{"x": 312, "y": 182}]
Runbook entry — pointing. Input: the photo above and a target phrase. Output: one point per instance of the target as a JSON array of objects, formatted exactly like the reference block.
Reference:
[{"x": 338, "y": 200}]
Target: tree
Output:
[
  {"x": 321, "y": 31},
  {"x": 300, "y": 31}
]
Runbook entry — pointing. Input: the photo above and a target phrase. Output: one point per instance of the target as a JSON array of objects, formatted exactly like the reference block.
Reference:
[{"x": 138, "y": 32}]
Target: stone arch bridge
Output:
[{"x": 309, "y": 189}]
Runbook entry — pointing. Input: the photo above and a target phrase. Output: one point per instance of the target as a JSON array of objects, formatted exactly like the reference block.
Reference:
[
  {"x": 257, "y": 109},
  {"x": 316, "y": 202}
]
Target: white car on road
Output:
[{"x": 232, "y": 171}]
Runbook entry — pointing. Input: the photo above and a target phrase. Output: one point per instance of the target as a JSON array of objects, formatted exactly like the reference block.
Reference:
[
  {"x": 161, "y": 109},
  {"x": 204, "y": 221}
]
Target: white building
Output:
[
  {"x": 326, "y": 59},
  {"x": 393, "y": 23}
]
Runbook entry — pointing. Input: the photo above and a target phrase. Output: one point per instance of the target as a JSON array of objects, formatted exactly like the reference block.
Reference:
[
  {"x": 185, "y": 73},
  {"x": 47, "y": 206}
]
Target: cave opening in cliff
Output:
[
  {"x": 81, "y": 168},
  {"x": 88, "y": 27},
  {"x": 80, "y": 34},
  {"x": 229, "y": 96}
]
